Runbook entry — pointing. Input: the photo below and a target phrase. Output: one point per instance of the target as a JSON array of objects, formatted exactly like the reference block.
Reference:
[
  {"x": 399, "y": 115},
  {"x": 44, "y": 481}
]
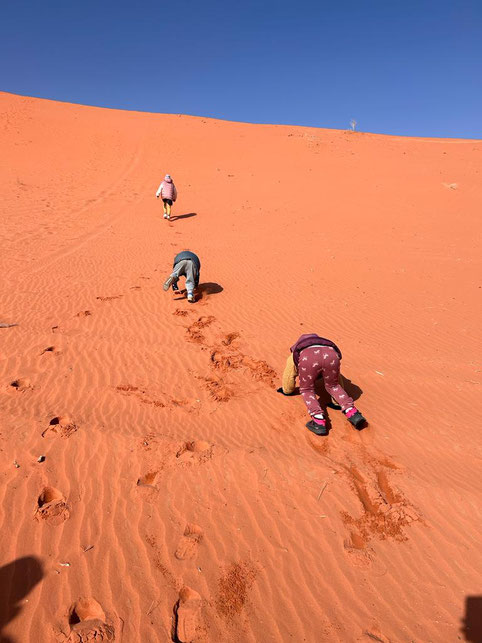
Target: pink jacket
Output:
[{"x": 167, "y": 190}]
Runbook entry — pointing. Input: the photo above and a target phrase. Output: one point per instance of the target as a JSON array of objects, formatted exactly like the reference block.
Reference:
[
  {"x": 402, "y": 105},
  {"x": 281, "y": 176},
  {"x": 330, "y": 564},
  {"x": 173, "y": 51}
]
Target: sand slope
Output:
[{"x": 181, "y": 497}]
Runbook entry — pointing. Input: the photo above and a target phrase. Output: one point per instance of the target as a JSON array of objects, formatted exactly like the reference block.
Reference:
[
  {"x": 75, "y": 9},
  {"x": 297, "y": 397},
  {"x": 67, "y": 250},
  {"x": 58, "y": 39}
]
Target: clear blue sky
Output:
[{"x": 410, "y": 67}]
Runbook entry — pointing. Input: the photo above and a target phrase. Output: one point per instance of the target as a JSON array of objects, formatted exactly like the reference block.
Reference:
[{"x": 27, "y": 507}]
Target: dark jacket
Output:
[
  {"x": 187, "y": 254},
  {"x": 310, "y": 340}
]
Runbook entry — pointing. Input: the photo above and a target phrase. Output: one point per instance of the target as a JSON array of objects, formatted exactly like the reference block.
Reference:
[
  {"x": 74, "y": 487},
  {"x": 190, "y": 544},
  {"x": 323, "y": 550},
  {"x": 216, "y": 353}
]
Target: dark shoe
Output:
[
  {"x": 317, "y": 429},
  {"x": 355, "y": 418},
  {"x": 175, "y": 287}
]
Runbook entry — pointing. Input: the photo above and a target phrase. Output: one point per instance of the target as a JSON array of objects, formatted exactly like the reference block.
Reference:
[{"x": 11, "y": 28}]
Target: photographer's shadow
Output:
[{"x": 17, "y": 579}]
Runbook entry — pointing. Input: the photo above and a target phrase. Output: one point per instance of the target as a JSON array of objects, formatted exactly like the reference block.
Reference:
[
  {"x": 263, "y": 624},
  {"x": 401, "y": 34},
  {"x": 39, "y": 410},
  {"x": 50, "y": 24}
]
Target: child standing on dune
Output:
[{"x": 167, "y": 191}]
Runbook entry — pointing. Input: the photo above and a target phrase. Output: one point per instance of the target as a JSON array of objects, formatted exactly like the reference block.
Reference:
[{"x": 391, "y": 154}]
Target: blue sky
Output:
[{"x": 410, "y": 67}]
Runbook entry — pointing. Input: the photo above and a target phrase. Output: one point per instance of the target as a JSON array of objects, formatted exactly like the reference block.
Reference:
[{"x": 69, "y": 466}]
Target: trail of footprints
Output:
[
  {"x": 385, "y": 512},
  {"x": 187, "y": 621},
  {"x": 168, "y": 455},
  {"x": 86, "y": 620},
  {"x": 189, "y": 625},
  {"x": 146, "y": 398},
  {"x": 225, "y": 357}
]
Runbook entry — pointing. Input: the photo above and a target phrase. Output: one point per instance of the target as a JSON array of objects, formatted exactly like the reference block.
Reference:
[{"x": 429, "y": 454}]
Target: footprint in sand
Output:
[
  {"x": 84, "y": 313},
  {"x": 50, "y": 349},
  {"x": 62, "y": 425},
  {"x": 217, "y": 388},
  {"x": 188, "y": 545},
  {"x": 193, "y": 331},
  {"x": 232, "y": 359},
  {"x": 21, "y": 384},
  {"x": 195, "y": 451},
  {"x": 88, "y": 623},
  {"x": 193, "y": 446},
  {"x": 169, "y": 456},
  {"x": 109, "y": 298},
  {"x": 360, "y": 555},
  {"x": 52, "y": 506},
  {"x": 147, "y": 480},
  {"x": 229, "y": 338},
  {"x": 187, "y": 616}
]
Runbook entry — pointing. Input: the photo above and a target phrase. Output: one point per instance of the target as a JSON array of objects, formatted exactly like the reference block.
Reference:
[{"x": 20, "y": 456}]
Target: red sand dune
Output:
[{"x": 180, "y": 496}]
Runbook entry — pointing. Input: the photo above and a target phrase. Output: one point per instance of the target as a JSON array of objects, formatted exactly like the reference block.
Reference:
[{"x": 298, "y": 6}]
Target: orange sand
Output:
[{"x": 181, "y": 497}]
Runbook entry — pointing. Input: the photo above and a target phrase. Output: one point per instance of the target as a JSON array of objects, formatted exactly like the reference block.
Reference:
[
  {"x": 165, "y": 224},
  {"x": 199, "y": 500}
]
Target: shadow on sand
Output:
[
  {"x": 202, "y": 292},
  {"x": 175, "y": 217},
  {"x": 353, "y": 390},
  {"x": 17, "y": 579},
  {"x": 472, "y": 622},
  {"x": 209, "y": 288}
]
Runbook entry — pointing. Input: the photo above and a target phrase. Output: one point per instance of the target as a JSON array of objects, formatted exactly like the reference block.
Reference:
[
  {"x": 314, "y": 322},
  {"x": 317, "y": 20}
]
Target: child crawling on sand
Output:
[
  {"x": 314, "y": 357},
  {"x": 186, "y": 264},
  {"x": 168, "y": 193}
]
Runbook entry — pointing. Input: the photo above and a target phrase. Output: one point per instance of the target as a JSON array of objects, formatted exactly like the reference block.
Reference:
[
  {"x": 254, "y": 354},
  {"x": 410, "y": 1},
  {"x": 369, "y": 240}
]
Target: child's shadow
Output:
[
  {"x": 203, "y": 291},
  {"x": 326, "y": 402},
  {"x": 353, "y": 390},
  {"x": 175, "y": 217},
  {"x": 210, "y": 288}
]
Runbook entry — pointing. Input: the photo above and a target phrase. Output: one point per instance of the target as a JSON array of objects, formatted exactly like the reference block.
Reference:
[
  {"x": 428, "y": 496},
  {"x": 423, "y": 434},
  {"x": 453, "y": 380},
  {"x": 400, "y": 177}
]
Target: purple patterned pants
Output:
[{"x": 321, "y": 360}]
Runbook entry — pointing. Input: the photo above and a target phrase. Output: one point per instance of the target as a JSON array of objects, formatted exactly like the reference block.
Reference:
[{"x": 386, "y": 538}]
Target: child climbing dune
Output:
[
  {"x": 186, "y": 264},
  {"x": 168, "y": 193},
  {"x": 311, "y": 357}
]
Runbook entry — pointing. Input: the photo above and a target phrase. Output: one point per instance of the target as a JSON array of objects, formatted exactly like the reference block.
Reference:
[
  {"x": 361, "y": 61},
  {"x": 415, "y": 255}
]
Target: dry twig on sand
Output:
[
  {"x": 322, "y": 489},
  {"x": 152, "y": 607}
]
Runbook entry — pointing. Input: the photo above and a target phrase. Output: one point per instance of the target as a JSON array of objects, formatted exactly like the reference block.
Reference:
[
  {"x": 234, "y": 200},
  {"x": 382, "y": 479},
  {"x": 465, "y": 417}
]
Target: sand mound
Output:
[{"x": 147, "y": 460}]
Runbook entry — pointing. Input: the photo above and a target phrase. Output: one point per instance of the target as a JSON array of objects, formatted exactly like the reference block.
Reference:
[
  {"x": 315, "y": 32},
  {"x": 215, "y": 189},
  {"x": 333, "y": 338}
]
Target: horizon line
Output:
[{"x": 226, "y": 120}]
